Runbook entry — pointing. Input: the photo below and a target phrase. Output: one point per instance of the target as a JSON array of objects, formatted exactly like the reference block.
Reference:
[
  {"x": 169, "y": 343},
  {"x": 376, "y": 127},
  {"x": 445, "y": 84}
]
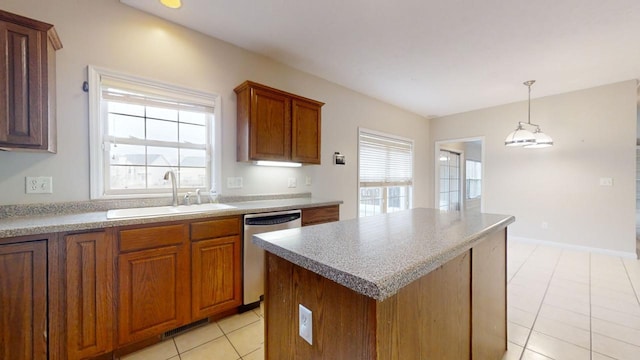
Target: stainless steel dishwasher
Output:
[{"x": 253, "y": 256}]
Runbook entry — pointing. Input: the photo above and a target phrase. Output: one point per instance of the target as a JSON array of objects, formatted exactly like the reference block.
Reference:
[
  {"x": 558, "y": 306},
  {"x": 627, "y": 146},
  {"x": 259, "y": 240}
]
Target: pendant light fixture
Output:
[{"x": 523, "y": 137}]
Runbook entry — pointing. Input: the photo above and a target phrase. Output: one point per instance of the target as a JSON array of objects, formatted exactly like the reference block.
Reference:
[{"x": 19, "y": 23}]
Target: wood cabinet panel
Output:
[
  {"x": 271, "y": 126},
  {"x": 276, "y": 125},
  {"x": 343, "y": 320},
  {"x": 153, "y": 293},
  {"x": 215, "y": 228},
  {"x": 216, "y": 276},
  {"x": 27, "y": 88},
  {"x": 320, "y": 215},
  {"x": 489, "y": 307},
  {"x": 306, "y": 132},
  {"x": 429, "y": 318},
  {"x": 89, "y": 294},
  {"x": 152, "y": 237},
  {"x": 23, "y": 300}
]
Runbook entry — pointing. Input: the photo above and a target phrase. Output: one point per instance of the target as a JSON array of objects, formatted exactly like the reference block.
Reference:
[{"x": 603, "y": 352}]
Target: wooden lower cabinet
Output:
[
  {"x": 89, "y": 294},
  {"x": 23, "y": 300},
  {"x": 215, "y": 276},
  {"x": 153, "y": 291},
  {"x": 320, "y": 215}
]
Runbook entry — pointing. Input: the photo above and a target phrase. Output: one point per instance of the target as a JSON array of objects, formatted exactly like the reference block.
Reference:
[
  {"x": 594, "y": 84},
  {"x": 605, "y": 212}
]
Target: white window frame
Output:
[
  {"x": 385, "y": 185},
  {"x": 98, "y": 126},
  {"x": 466, "y": 178}
]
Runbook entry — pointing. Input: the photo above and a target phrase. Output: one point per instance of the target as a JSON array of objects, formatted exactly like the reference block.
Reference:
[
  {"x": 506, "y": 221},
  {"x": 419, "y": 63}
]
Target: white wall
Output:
[
  {"x": 594, "y": 132},
  {"x": 109, "y": 34}
]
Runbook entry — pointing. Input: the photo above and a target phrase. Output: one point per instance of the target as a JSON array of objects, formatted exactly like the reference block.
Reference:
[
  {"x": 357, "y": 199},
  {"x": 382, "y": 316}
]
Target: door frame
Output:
[{"x": 441, "y": 144}]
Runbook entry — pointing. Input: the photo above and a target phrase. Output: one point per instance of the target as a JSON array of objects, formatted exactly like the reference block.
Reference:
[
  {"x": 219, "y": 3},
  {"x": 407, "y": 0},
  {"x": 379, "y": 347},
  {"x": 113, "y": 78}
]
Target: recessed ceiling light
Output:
[{"x": 173, "y": 4}]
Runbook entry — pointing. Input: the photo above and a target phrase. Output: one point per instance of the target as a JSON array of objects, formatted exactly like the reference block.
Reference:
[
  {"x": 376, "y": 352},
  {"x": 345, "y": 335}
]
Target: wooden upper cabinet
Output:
[
  {"x": 27, "y": 83},
  {"x": 23, "y": 300},
  {"x": 305, "y": 131},
  {"x": 89, "y": 294},
  {"x": 276, "y": 125}
]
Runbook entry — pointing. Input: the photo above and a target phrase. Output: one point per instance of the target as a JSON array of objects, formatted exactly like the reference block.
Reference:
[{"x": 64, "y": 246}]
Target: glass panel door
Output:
[{"x": 449, "y": 180}]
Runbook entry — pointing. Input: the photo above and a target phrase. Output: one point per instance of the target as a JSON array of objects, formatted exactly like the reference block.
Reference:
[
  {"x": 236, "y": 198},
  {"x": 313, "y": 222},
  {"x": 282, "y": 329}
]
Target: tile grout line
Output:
[
  {"x": 521, "y": 265},
  {"x": 630, "y": 282},
  {"x": 524, "y": 348}
]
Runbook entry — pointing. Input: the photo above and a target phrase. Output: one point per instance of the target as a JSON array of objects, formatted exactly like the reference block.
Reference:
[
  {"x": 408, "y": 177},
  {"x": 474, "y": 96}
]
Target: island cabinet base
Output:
[{"x": 457, "y": 311}]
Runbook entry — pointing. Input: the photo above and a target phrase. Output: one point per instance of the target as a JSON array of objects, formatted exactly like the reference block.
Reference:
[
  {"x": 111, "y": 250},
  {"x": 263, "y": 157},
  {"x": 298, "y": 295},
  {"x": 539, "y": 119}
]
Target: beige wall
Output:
[
  {"x": 109, "y": 34},
  {"x": 594, "y": 132}
]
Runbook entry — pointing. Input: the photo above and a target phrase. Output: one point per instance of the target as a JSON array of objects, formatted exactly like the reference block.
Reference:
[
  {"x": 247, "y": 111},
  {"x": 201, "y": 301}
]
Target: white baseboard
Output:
[{"x": 622, "y": 254}]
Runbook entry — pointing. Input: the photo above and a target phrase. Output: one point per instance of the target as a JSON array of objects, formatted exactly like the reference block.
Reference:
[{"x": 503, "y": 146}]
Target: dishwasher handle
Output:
[{"x": 271, "y": 220}]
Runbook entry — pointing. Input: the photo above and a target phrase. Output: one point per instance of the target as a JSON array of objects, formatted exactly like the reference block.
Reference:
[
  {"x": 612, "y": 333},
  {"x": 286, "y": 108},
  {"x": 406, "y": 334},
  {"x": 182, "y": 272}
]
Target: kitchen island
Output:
[{"x": 417, "y": 284}]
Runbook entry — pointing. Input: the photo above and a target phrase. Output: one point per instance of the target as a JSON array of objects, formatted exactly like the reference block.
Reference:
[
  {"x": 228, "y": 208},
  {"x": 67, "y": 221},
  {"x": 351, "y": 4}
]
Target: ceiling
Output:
[{"x": 432, "y": 57}]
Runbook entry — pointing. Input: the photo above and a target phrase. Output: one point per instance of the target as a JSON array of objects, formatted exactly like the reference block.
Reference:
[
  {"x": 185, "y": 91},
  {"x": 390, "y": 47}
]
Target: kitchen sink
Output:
[{"x": 165, "y": 210}]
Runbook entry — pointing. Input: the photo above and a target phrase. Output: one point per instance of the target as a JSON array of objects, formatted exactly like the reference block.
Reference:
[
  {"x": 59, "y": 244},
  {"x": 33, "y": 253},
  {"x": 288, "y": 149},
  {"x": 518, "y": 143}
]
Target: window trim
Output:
[
  {"x": 385, "y": 185},
  {"x": 96, "y": 130}
]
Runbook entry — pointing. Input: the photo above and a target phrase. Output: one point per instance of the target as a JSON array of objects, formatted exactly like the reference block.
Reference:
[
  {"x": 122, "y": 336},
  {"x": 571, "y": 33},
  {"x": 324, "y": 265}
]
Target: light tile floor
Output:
[
  {"x": 236, "y": 337},
  {"x": 562, "y": 305}
]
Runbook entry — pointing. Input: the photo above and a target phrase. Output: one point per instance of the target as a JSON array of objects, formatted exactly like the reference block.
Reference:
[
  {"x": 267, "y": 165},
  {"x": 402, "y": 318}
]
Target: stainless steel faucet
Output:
[{"x": 174, "y": 185}]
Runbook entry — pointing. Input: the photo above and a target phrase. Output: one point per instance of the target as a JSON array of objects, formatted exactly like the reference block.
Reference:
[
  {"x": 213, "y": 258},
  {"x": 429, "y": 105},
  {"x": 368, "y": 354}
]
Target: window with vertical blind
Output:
[
  {"x": 385, "y": 172},
  {"x": 473, "y": 178},
  {"x": 142, "y": 129}
]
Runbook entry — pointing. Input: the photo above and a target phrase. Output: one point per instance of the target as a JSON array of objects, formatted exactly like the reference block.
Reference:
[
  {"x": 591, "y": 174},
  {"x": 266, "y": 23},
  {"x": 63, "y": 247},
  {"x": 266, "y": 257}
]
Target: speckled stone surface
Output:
[
  {"x": 379, "y": 255},
  {"x": 47, "y": 222}
]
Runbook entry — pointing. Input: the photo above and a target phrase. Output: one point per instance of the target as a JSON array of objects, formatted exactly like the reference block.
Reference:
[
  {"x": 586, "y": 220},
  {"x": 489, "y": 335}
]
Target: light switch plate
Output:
[
  {"x": 305, "y": 324},
  {"x": 39, "y": 185}
]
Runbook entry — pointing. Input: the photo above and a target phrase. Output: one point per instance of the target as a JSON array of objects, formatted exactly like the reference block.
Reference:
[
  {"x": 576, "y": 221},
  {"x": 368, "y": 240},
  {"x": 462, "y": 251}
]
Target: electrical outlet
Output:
[
  {"x": 305, "y": 324},
  {"x": 606, "y": 181},
  {"x": 544, "y": 225},
  {"x": 234, "y": 183},
  {"x": 307, "y": 181},
  {"x": 39, "y": 185},
  {"x": 293, "y": 182}
]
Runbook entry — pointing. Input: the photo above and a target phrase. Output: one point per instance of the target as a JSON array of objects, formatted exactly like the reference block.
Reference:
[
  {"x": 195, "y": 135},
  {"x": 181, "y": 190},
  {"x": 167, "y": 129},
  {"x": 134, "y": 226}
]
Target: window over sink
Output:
[
  {"x": 140, "y": 129},
  {"x": 385, "y": 172}
]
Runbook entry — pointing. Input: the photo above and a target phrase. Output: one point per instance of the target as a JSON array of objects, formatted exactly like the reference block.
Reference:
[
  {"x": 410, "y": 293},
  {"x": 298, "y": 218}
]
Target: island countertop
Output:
[{"x": 379, "y": 255}]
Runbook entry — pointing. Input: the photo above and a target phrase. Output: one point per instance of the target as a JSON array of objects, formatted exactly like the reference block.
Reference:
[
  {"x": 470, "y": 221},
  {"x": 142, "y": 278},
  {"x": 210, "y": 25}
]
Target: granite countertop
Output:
[
  {"x": 47, "y": 221},
  {"x": 379, "y": 255}
]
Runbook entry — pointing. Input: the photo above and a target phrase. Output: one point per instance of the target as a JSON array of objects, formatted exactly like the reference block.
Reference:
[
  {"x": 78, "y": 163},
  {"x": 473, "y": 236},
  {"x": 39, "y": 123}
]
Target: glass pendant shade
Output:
[
  {"x": 173, "y": 4},
  {"x": 520, "y": 137},
  {"x": 542, "y": 140}
]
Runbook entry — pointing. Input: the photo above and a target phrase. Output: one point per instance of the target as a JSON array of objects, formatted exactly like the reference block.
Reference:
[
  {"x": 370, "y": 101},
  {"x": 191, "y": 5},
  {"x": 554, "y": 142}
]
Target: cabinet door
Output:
[
  {"x": 216, "y": 276},
  {"x": 21, "y": 103},
  {"x": 306, "y": 127},
  {"x": 89, "y": 283},
  {"x": 23, "y": 300},
  {"x": 270, "y": 126},
  {"x": 153, "y": 293}
]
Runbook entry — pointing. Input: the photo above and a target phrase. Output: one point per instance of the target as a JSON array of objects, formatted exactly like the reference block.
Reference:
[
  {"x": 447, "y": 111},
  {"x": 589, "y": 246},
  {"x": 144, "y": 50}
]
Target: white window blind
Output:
[
  {"x": 145, "y": 129},
  {"x": 385, "y": 160}
]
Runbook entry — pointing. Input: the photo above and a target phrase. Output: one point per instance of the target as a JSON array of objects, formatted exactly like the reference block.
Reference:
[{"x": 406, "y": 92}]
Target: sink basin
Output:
[{"x": 164, "y": 210}]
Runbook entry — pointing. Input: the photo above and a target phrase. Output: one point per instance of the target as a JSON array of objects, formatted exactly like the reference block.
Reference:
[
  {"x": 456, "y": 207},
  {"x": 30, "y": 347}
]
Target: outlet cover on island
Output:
[
  {"x": 293, "y": 182},
  {"x": 39, "y": 185},
  {"x": 307, "y": 181},
  {"x": 305, "y": 324}
]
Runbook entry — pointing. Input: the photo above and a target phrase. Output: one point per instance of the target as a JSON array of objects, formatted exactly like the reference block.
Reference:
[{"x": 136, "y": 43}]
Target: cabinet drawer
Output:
[
  {"x": 320, "y": 215},
  {"x": 215, "y": 228},
  {"x": 151, "y": 237}
]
